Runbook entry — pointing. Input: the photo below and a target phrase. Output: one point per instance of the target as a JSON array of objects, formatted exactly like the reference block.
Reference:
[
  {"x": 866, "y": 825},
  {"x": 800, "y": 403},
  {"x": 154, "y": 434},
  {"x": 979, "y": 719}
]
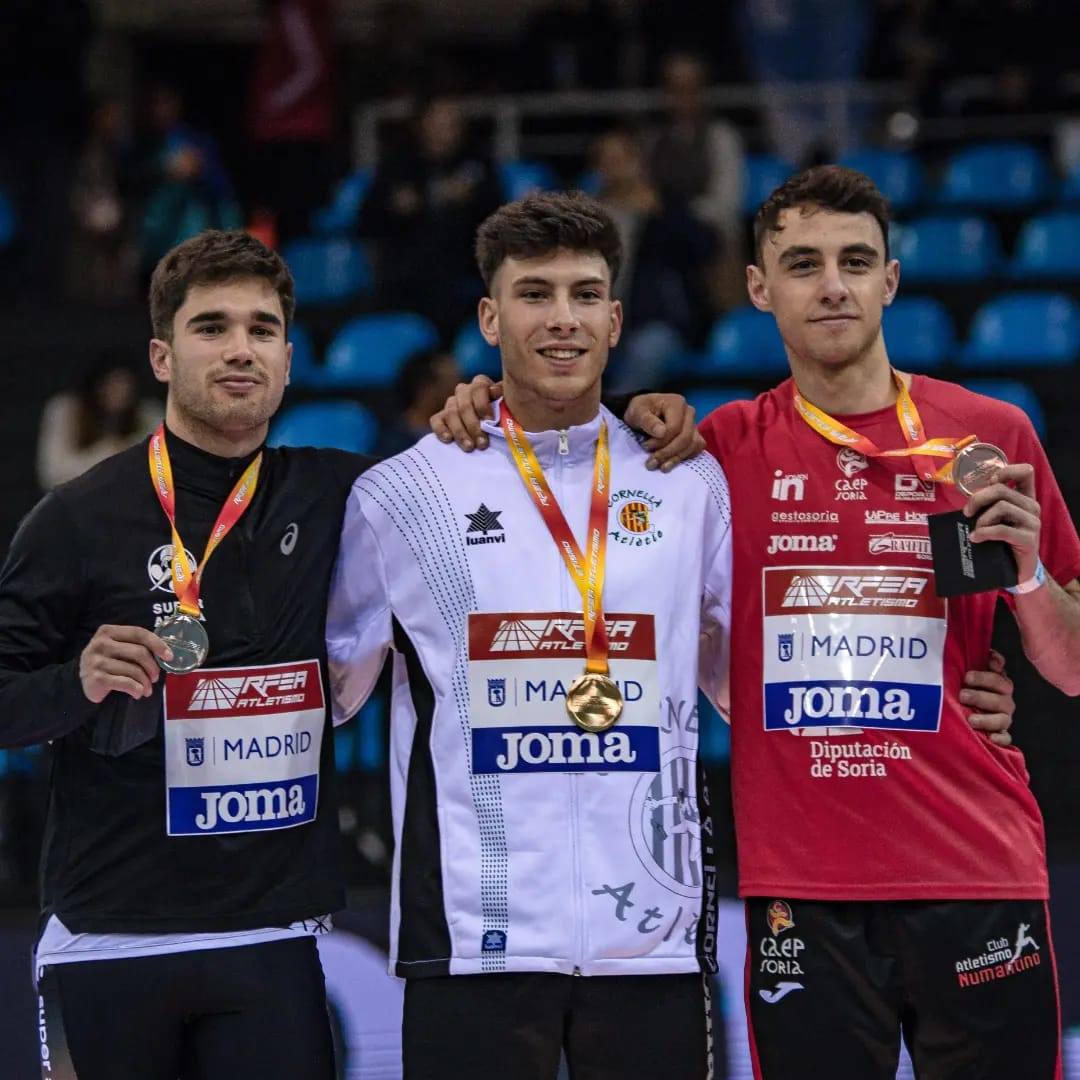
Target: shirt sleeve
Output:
[
  {"x": 42, "y": 587},
  {"x": 358, "y": 623},
  {"x": 715, "y": 642}
]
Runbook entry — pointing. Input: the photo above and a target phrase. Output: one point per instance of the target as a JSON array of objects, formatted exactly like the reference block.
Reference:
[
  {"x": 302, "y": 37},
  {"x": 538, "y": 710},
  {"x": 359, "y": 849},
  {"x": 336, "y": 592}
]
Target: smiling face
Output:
[
  {"x": 227, "y": 364},
  {"x": 554, "y": 321},
  {"x": 825, "y": 279}
]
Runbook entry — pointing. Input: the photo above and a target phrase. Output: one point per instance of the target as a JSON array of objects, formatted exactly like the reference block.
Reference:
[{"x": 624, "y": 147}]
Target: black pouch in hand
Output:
[{"x": 961, "y": 567}]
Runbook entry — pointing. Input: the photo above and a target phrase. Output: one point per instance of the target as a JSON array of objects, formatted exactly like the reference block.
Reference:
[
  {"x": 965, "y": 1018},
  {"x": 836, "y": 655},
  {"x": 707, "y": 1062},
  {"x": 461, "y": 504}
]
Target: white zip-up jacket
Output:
[{"x": 522, "y": 842}]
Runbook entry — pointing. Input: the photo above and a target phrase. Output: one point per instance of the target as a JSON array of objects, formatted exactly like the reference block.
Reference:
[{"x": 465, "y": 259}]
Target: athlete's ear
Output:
[
  {"x": 288, "y": 362},
  {"x": 892, "y": 281},
  {"x": 160, "y": 359},
  {"x": 616, "y": 324},
  {"x": 488, "y": 315},
  {"x": 756, "y": 288}
]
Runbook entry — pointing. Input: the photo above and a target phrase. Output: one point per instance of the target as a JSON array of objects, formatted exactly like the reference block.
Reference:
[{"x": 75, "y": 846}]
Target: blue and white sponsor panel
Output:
[
  {"x": 242, "y": 748},
  {"x": 521, "y": 665},
  {"x": 853, "y": 646}
]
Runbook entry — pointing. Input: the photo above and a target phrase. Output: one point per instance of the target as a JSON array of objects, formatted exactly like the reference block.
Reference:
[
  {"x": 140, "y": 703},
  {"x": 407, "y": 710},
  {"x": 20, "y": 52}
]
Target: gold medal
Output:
[{"x": 594, "y": 702}]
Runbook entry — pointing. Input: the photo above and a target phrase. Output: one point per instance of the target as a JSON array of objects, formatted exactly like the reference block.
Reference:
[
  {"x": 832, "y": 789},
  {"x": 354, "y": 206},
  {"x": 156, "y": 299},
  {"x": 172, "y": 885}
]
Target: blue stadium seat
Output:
[
  {"x": 590, "y": 182},
  {"x": 344, "y": 748},
  {"x": 370, "y": 725},
  {"x": 762, "y": 175},
  {"x": 1070, "y": 187},
  {"x": 1002, "y": 176},
  {"x": 706, "y": 399},
  {"x": 345, "y": 425},
  {"x": 370, "y": 350},
  {"x": 745, "y": 342},
  {"x": 946, "y": 249},
  {"x": 306, "y": 371},
  {"x": 919, "y": 333},
  {"x": 899, "y": 174},
  {"x": 327, "y": 270},
  {"x": 1048, "y": 247},
  {"x": 473, "y": 354},
  {"x": 340, "y": 216},
  {"x": 1020, "y": 329},
  {"x": 518, "y": 178},
  {"x": 1016, "y": 393},
  {"x": 7, "y": 220}
]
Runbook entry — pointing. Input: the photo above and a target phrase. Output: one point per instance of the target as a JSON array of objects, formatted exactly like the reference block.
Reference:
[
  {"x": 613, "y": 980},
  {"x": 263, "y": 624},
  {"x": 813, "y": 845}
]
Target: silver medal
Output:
[
  {"x": 976, "y": 466},
  {"x": 187, "y": 638}
]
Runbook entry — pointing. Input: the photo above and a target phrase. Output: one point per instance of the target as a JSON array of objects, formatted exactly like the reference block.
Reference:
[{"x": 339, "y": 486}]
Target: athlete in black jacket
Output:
[{"x": 190, "y": 851}]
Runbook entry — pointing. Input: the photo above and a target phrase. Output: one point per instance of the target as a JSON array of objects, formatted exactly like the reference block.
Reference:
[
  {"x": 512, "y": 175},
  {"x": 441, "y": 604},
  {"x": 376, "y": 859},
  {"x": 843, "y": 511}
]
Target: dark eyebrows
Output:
[
  {"x": 219, "y": 316},
  {"x": 791, "y": 254},
  {"x": 546, "y": 282}
]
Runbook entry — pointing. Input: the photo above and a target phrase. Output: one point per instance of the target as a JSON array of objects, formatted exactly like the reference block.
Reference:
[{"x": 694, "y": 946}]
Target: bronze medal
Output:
[
  {"x": 976, "y": 466},
  {"x": 594, "y": 702}
]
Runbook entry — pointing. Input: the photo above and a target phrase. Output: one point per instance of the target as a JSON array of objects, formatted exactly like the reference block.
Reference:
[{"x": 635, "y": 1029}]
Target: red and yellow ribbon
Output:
[
  {"x": 918, "y": 445},
  {"x": 186, "y": 578},
  {"x": 586, "y": 569}
]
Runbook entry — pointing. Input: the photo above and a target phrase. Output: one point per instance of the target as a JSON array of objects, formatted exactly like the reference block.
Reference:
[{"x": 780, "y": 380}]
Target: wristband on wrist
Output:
[{"x": 1036, "y": 581}]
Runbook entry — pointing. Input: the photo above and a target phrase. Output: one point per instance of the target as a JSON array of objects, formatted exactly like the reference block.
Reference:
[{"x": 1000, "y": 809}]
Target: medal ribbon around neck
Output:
[
  {"x": 918, "y": 445},
  {"x": 185, "y": 578},
  {"x": 587, "y": 573}
]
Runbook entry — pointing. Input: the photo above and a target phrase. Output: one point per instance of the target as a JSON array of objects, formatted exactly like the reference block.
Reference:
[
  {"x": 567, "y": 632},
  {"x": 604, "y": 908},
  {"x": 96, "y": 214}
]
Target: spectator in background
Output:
[
  {"x": 101, "y": 260},
  {"x": 426, "y": 380},
  {"x": 423, "y": 210},
  {"x": 293, "y": 112},
  {"x": 103, "y": 416},
  {"x": 569, "y": 45},
  {"x": 696, "y": 160},
  {"x": 188, "y": 188},
  {"x": 669, "y": 257}
]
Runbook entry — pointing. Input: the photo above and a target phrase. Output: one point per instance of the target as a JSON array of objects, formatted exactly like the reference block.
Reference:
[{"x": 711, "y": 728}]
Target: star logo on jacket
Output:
[
  {"x": 493, "y": 941},
  {"x": 486, "y": 523}
]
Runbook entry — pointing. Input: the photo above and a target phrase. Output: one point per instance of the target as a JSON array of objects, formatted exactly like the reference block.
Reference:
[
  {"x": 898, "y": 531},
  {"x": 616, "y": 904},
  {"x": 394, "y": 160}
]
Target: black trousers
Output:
[
  {"x": 514, "y": 1026},
  {"x": 214, "y": 1014},
  {"x": 971, "y": 985}
]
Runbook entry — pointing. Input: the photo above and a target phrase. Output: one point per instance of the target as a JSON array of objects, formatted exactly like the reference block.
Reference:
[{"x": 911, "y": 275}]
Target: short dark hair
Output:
[
  {"x": 543, "y": 222},
  {"x": 824, "y": 187},
  {"x": 213, "y": 256},
  {"x": 417, "y": 372}
]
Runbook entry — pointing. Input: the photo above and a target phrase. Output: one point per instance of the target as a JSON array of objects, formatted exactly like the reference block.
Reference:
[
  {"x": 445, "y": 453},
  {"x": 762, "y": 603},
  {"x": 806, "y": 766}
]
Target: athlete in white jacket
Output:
[{"x": 530, "y": 848}]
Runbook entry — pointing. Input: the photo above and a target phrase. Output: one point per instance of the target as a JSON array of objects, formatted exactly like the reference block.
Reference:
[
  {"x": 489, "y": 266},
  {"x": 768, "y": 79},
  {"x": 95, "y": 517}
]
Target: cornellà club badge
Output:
[{"x": 632, "y": 518}]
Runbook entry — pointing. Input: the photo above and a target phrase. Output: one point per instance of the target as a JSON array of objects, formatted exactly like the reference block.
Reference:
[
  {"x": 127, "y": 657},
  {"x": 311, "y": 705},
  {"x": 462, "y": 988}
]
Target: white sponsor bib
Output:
[
  {"x": 242, "y": 748},
  {"x": 852, "y": 647},
  {"x": 521, "y": 665}
]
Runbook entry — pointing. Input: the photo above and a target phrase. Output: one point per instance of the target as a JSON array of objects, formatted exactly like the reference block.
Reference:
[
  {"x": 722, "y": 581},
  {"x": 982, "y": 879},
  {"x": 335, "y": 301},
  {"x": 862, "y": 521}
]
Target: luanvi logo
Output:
[{"x": 485, "y": 522}]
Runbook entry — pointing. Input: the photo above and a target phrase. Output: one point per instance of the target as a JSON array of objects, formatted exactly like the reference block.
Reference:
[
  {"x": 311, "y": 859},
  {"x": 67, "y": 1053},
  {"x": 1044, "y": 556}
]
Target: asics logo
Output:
[{"x": 288, "y": 540}]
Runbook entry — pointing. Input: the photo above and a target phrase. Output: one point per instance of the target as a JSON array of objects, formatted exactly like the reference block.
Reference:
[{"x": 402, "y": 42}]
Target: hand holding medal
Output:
[{"x": 184, "y": 632}]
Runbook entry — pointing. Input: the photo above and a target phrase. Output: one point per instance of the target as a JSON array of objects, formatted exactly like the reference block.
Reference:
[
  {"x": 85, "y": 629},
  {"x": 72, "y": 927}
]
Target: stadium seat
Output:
[
  {"x": 995, "y": 176},
  {"x": 518, "y": 178},
  {"x": 1070, "y": 187},
  {"x": 341, "y": 214},
  {"x": 344, "y": 749},
  {"x": 898, "y": 174},
  {"x": 946, "y": 249},
  {"x": 473, "y": 354},
  {"x": 327, "y": 270},
  {"x": 306, "y": 371},
  {"x": 1016, "y": 393},
  {"x": 762, "y": 175},
  {"x": 745, "y": 342},
  {"x": 7, "y": 221},
  {"x": 1048, "y": 247},
  {"x": 1019, "y": 329},
  {"x": 706, "y": 399},
  {"x": 345, "y": 425},
  {"x": 590, "y": 182},
  {"x": 919, "y": 333},
  {"x": 369, "y": 350}
]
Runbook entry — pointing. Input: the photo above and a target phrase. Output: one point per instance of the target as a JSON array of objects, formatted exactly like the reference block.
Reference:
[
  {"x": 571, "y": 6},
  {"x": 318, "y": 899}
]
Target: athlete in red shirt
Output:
[{"x": 892, "y": 858}]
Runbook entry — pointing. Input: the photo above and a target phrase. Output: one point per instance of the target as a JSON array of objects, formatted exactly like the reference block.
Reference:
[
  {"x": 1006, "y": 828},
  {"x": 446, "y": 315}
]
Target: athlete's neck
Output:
[
  {"x": 226, "y": 444},
  {"x": 861, "y": 387},
  {"x": 536, "y": 413}
]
